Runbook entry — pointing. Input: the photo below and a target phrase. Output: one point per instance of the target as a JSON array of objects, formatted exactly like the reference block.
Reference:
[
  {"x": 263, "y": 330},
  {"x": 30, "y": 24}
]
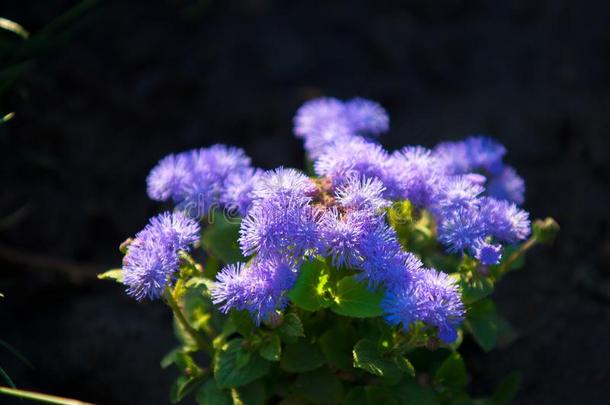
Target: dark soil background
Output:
[{"x": 141, "y": 79}]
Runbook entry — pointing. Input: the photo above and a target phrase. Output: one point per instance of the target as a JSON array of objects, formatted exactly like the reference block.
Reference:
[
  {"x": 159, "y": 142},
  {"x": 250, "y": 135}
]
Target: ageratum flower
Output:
[
  {"x": 461, "y": 229},
  {"x": 357, "y": 158},
  {"x": 283, "y": 227},
  {"x": 168, "y": 177},
  {"x": 385, "y": 263},
  {"x": 361, "y": 193},
  {"x": 480, "y": 153},
  {"x": 508, "y": 185},
  {"x": 237, "y": 193},
  {"x": 324, "y": 121},
  {"x": 259, "y": 287},
  {"x": 152, "y": 257},
  {"x": 195, "y": 179},
  {"x": 344, "y": 235},
  {"x": 282, "y": 184},
  {"x": 487, "y": 253},
  {"x": 419, "y": 174},
  {"x": 504, "y": 220},
  {"x": 432, "y": 297}
]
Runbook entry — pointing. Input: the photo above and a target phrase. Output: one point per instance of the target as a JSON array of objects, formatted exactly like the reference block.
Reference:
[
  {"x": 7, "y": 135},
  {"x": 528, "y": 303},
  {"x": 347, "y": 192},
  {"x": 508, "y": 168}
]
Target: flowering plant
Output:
[{"x": 356, "y": 285}]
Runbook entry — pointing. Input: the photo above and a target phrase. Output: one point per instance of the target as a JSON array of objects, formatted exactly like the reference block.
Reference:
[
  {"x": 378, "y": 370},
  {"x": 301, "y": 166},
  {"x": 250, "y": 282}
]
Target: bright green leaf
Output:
[
  {"x": 229, "y": 367},
  {"x": 309, "y": 291},
  {"x": 368, "y": 357},
  {"x": 353, "y": 298},
  {"x": 114, "y": 274},
  {"x": 301, "y": 356}
]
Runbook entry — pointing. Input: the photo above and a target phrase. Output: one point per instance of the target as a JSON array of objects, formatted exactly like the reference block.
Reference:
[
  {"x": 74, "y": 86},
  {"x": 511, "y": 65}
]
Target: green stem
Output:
[
  {"x": 527, "y": 245},
  {"x": 171, "y": 301},
  {"x": 36, "y": 396}
]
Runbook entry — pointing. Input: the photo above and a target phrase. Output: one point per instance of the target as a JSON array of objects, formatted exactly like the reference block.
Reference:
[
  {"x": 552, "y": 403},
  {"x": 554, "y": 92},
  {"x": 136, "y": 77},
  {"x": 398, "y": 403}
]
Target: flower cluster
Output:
[
  {"x": 289, "y": 218},
  {"x": 152, "y": 257}
]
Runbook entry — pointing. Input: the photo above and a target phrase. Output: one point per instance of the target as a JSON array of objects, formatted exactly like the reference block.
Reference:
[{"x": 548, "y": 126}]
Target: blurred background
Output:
[{"x": 101, "y": 93}]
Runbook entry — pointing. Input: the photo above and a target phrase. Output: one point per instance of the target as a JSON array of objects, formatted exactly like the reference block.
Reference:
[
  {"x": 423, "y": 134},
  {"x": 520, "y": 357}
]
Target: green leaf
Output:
[
  {"x": 13, "y": 27},
  {"x": 210, "y": 394},
  {"x": 476, "y": 288},
  {"x": 183, "y": 386},
  {"x": 301, "y": 356},
  {"x": 452, "y": 373},
  {"x": 483, "y": 323},
  {"x": 169, "y": 358},
  {"x": 7, "y": 378},
  {"x": 410, "y": 392},
  {"x": 337, "y": 344},
  {"x": 507, "y": 390},
  {"x": 291, "y": 328},
  {"x": 114, "y": 274},
  {"x": 242, "y": 322},
  {"x": 271, "y": 349},
  {"x": 231, "y": 368},
  {"x": 310, "y": 290},
  {"x": 368, "y": 357},
  {"x": 372, "y": 395},
  {"x": 251, "y": 394},
  {"x": 319, "y": 386},
  {"x": 354, "y": 299},
  {"x": 405, "y": 365},
  {"x": 221, "y": 239}
]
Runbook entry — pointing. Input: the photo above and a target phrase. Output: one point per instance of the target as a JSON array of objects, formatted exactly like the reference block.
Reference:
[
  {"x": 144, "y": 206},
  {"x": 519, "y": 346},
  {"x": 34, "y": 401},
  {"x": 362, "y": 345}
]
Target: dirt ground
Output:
[{"x": 141, "y": 79}]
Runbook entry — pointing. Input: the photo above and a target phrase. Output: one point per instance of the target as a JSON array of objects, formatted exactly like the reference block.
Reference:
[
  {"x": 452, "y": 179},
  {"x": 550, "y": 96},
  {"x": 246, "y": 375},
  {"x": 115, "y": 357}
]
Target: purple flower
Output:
[
  {"x": 260, "y": 287},
  {"x": 419, "y": 174},
  {"x": 360, "y": 193},
  {"x": 344, "y": 234},
  {"x": 487, "y": 253},
  {"x": 280, "y": 226},
  {"x": 325, "y": 121},
  {"x": 472, "y": 154},
  {"x": 356, "y": 158},
  {"x": 316, "y": 113},
  {"x": 385, "y": 263},
  {"x": 431, "y": 297},
  {"x": 237, "y": 193},
  {"x": 439, "y": 303},
  {"x": 366, "y": 117},
  {"x": 195, "y": 179},
  {"x": 284, "y": 184},
  {"x": 507, "y": 185},
  {"x": 461, "y": 229},
  {"x": 167, "y": 178},
  {"x": 504, "y": 220},
  {"x": 459, "y": 192},
  {"x": 152, "y": 258}
]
